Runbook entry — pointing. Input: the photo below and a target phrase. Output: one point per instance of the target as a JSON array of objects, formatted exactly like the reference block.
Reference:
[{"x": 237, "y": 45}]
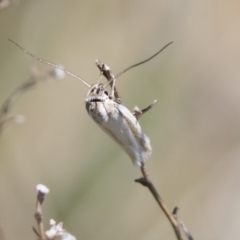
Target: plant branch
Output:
[
  {"x": 39, "y": 218},
  {"x": 19, "y": 91},
  {"x": 186, "y": 231},
  {"x": 41, "y": 193},
  {"x": 145, "y": 181}
]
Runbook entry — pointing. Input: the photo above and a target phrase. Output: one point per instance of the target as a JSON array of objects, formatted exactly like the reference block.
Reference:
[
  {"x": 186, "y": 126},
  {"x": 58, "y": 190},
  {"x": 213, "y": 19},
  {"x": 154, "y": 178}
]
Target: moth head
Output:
[{"x": 97, "y": 93}]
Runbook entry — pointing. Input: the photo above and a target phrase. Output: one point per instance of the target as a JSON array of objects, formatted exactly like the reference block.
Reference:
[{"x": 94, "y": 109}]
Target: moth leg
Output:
[
  {"x": 113, "y": 88},
  {"x": 114, "y": 92},
  {"x": 100, "y": 77},
  {"x": 107, "y": 73},
  {"x": 138, "y": 113}
]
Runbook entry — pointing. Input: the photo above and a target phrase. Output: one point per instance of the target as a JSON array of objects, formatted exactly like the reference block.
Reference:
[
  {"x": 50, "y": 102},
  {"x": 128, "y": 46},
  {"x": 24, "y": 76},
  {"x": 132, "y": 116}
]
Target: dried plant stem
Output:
[
  {"x": 145, "y": 181},
  {"x": 11, "y": 99},
  {"x": 5, "y": 116},
  {"x": 41, "y": 192},
  {"x": 39, "y": 218},
  {"x": 186, "y": 231}
]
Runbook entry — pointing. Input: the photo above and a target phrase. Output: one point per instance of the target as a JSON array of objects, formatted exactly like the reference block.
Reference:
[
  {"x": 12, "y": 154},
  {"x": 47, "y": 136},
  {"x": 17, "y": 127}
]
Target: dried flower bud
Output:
[
  {"x": 42, "y": 191},
  {"x": 58, "y": 73}
]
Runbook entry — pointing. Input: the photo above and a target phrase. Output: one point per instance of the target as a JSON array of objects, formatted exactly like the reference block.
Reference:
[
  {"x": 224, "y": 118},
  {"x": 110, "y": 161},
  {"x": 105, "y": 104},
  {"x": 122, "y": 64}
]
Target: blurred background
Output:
[{"x": 194, "y": 127}]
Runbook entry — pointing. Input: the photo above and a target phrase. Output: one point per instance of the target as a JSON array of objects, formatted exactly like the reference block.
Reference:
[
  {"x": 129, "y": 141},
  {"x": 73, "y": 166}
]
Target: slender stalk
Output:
[
  {"x": 145, "y": 181},
  {"x": 186, "y": 231},
  {"x": 5, "y": 116},
  {"x": 39, "y": 218},
  {"x": 41, "y": 192}
]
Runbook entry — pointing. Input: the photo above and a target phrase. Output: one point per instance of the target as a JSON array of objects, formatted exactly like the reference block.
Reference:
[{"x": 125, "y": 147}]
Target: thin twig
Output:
[
  {"x": 41, "y": 193},
  {"x": 186, "y": 231},
  {"x": 145, "y": 181},
  {"x": 39, "y": 218},
  {"x": 181, "y": 224},
  {"x": 19, "y": 91},
  {"x": 35, "y": 231}
]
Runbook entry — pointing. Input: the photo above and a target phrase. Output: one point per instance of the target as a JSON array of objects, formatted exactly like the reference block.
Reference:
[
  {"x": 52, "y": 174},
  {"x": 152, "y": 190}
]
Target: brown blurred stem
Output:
[
  {"x": 6, "y": 107},
  {"x": 145, "y": 181},
  {"x": 186, "y": 231},
  {"x": 39, "y": 218}
]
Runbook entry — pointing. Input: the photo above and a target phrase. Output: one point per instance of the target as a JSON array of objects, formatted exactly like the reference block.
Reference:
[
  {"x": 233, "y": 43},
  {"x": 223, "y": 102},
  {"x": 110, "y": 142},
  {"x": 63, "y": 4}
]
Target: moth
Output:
[{"x": 108, "y": 112}]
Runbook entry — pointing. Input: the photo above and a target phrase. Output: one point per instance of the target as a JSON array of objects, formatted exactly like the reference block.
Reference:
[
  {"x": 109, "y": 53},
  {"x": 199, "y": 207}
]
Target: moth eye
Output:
[
  {"x": 106, "y": 93},
  {"x": 119, "y": 100}
]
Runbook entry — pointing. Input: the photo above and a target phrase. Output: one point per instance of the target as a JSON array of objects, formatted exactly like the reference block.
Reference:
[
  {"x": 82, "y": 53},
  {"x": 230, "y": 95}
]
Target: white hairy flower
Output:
[
  {"x": 67, "y": 236},
  {"x": 56, "y": 230},
  {"x": 42, "y": 189}
]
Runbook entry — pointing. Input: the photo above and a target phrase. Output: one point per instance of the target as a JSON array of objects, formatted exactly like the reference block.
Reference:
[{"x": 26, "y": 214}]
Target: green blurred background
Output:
[{"x": 194, "y": 127}]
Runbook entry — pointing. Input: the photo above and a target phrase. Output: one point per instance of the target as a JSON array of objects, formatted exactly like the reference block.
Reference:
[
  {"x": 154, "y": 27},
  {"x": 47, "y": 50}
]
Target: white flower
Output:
[
  {"x": 42, "y": 189},
  {"x": 67, "y": 236},
  {"x": 56, "y": 230},
  {"x": 52, "y": 222}
]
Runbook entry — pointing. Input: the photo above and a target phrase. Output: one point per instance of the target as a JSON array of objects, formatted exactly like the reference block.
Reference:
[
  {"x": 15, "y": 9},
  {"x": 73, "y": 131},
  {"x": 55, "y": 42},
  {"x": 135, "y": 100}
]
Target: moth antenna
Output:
[
  {"x": 137, "y": 64},
  {"x": 49, "y": 63}
]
